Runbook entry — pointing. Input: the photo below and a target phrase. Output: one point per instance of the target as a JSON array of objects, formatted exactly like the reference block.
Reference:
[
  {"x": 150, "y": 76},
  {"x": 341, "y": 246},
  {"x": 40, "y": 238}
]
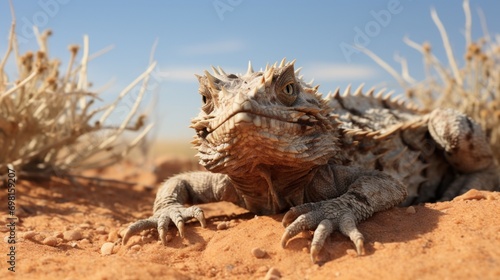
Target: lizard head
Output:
[{"x": 268, "y": 117}]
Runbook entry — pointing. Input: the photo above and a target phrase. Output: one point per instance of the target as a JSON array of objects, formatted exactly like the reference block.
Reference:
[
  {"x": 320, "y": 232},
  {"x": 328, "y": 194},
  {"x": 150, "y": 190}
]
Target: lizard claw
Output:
[
  {"x": 173, "y": 213},
  {"x": 139, "y": 226},
  {"x": 324, "y": 229},
  {"x": 323, "y": 218}
]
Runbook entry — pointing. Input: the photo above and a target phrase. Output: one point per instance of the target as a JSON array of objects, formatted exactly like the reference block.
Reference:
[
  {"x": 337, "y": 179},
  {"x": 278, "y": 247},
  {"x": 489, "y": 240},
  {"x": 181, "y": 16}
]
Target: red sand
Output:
[{"x": 450, "y": 240}]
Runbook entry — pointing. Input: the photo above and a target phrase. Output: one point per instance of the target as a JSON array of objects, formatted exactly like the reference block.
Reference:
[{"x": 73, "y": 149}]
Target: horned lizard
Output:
[{"x": 272, "y": 144}]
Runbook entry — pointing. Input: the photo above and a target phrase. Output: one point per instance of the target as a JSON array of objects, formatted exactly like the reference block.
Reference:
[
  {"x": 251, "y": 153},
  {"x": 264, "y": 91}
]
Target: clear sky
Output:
[{"x": 192, "y": 35}]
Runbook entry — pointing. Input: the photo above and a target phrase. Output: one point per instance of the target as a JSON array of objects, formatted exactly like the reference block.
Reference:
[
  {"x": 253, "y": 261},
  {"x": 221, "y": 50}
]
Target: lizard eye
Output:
[
  {"x": 288, "y": 89},
  {"x": 206, "y": 99},
  {"x": 288, "y": 94},
  {"x": 208, "y": 105}
]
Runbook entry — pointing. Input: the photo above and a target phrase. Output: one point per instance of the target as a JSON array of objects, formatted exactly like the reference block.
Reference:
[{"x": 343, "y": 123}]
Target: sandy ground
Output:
[{"x": 69, "y": 231}]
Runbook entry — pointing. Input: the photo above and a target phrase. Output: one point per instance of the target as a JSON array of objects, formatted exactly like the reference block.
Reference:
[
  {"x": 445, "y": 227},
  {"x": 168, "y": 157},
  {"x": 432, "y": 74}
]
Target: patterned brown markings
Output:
[
  {"x": 405, "y": 142},
  {"x": 468, "y": 135},
  {"x": 360, "y": 123},
  {"x": 395, "y": 164},
  {"x": 351, "y": 110},
  {"x": 379, "y": 166},
  {"x": 471, "y": 146},
  {"x": 393, "y": 113},
  {"x": 385, "y": 104},
  {"x": 361, "y": 198}
]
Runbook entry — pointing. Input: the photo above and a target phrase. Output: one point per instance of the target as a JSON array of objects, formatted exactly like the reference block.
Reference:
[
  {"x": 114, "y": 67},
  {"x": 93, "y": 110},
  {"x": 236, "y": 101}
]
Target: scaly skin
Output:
[{"x": 272, "y": 144}]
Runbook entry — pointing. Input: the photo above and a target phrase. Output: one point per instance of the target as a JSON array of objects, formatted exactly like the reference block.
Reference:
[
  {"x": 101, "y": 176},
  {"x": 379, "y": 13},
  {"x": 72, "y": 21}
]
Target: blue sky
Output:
[{"x": 192, "y": 35}]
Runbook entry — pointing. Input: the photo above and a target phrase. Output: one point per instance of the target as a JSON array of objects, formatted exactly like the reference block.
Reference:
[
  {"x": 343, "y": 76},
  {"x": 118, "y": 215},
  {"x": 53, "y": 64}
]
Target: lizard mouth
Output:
[
  {"x": 241, "y": 140},
  {"x": 249, "y": 120}
]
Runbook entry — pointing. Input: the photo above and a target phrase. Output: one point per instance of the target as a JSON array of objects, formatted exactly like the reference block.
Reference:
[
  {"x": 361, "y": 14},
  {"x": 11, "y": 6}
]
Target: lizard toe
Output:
[
  {"x": 347, "y": 225},
  {"x": 308, "y": 221},
  {"x": 139, "y": 226},
  {"x": 162, "y": 227},
  {"x": 195, "y": 212},
  {"x": 324, "y": 229}
]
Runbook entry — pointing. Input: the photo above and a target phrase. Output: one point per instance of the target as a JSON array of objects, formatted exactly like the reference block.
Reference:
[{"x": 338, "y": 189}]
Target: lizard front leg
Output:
[
  {"x": 364, "y": 193},
  {"x": 187, "y": 188}
]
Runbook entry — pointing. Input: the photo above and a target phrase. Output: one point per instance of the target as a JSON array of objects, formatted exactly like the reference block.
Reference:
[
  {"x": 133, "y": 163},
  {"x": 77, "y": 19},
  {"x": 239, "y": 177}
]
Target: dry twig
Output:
[{"x": 48, "y": 123}]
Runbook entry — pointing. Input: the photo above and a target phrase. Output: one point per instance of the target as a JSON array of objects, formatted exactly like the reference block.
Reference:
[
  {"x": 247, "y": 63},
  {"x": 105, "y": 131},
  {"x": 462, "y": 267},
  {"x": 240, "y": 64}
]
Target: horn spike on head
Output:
[
  {"x": 222, "y": 71},
  {"x": 268, "y": 76},
  {"x": 211, "y": 80},
  {"x": 215, "y": 70},
  {"x": 282, "y": 63}
]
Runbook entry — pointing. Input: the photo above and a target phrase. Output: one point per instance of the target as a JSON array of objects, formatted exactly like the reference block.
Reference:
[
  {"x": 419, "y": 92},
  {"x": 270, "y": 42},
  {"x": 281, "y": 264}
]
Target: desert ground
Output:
[{"x": 72, "y": 230}]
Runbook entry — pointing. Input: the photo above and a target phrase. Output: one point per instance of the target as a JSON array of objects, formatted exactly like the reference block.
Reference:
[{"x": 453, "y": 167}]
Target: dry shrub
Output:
[
  {"x": 50, "y": 123},
  {"x": 473, "y": 89}
]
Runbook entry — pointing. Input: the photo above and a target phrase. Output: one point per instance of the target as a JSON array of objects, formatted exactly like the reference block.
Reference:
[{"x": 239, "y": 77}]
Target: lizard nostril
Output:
[{"x": 203, "y": 133}]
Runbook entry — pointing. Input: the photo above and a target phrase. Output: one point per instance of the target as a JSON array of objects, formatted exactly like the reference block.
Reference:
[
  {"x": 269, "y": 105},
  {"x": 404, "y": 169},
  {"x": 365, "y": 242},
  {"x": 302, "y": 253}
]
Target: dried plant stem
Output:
[
  {"x": 48, "y": 124},
  {"x": 447, "y": 46}
]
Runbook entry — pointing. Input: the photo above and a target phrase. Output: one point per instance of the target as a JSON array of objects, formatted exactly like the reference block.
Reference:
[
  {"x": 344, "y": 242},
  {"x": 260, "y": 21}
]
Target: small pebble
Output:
[
  {"x": 84, "y": 226},
  {"x": 107, "y": 248},
  {"x": 262, "y": 269},
  {"x": 50, "y": 241},
  {"x": 352, "y": 253},
  {"x": 258, "y": 253},
  {"x": 29, "y": 235},
  {"x": 84, "y": 241},
  {"x": 411, "y": 210},
  {"x": 222, "y": 226},
  {"x": 72, "y": 235},
  {"x": 272, "y": 274},
  {"x": 377, "y": 245},
  {"x": 113, "y": 235},
  {"x": 136, "y": 247},
  {"x": 101, "y": 230}
]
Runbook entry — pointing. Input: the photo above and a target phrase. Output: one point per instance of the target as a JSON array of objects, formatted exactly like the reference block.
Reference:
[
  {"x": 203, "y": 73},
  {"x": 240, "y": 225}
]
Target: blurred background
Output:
[{"x": 190, "y": 36}]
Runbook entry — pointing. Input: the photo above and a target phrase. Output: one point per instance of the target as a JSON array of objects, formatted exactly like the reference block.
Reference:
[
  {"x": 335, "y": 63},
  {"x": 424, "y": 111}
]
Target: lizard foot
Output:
[
  {"x": 482, "y": 180},
  {"x": 322, "y": 217},
  {"x": 177, "y": 214}
]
